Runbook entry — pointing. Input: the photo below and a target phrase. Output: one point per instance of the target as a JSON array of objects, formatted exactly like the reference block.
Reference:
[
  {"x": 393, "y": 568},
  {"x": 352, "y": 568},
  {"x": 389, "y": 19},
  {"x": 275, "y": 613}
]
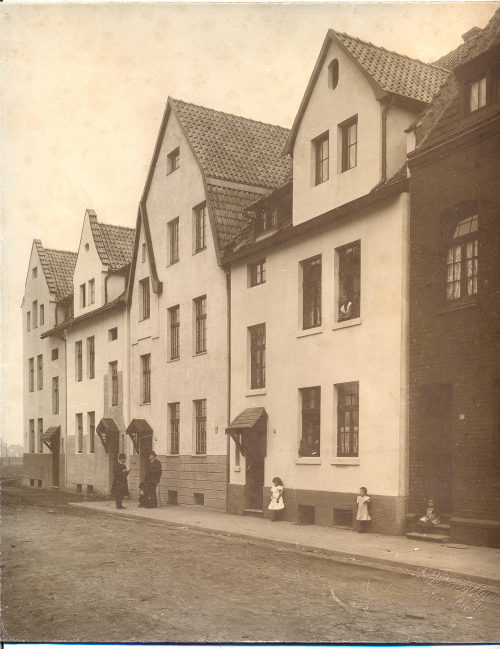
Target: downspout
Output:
[
  {"x": 383, "y": 176},
  {"x": 228, "y": 441},
  {"x": 66, "y": 409}
]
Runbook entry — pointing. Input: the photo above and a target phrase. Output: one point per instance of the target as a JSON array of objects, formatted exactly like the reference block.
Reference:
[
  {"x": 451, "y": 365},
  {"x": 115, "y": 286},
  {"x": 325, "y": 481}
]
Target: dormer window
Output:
[
  {"x": 476, "y": 94},
  {"x": 173, "y": 160},
  {"x": 333, "y": 74},
  {"x": 266, "y": 220}
]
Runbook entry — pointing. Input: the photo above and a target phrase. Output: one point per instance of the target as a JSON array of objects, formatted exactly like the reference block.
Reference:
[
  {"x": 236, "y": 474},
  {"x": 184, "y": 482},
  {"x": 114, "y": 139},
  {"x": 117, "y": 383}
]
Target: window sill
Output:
[
  {"x": 144, "y": 319},
  {"x": 256, "y": 392},
  {"x": 459, "y": 306},
  {"x": 346, "y": 461},
  {"x": 174, "y": 360},
  {"x": 308, "y": 460},
  {"x": 346, "y": 323},
  {"x": 309, "y": 332},
  {"x": 237, "y": 469},
  {"x": 195, "y": 252},
  {"x": 173, "y": 263},
  {"x": 265, "y": 234},
  {"x": 169, "y": 173},
  {"x": 255, "y": 285},
  {"x": 199, "y": 353},
  {"x": 173, "y": 454},
  {"x": 198, "y": 455}
]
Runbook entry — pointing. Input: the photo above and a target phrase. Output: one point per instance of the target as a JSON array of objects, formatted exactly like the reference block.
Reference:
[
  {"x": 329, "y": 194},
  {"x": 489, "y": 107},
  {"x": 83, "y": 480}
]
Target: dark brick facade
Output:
[{"x": 454, "y": 346}]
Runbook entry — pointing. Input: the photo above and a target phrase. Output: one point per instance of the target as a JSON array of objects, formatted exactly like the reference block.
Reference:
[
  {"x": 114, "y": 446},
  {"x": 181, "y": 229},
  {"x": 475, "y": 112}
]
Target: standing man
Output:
[
  {"x": 119, "y": 488},
  {"x": 152, "y": 478}
]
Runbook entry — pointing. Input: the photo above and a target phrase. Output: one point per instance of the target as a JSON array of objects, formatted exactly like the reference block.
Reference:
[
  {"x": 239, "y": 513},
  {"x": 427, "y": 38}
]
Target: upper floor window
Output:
[
  {"x": 173, "y": 160},
  {"x": 78, "y": 360},
  {"x": 347, "y": 419},
  {"x": 175, "y": 416},
  {"x": 321, "y": 155},
  {"x": 83, "y": 296},
  {"x": 113, "y": 333},
  {"x": 311, "y": 419},
  {"x": 146, "y": 378},
  {"x": 173, "y": 241},
  {"x": 200, "y": 218},
  {"x": 34, "y": 311},
  {"x": 55, "y": 353},
  {"x": 200, "y": 308},
  {"x": 258, "y": 356},
  {"x": 113, "y": 370},
  {"x": 257, "y": 272},
  {"x": 462, "y": 254},
  {"x": 28, "y": 321},
  {"x": 42, "y": 314},
  {"x": 91, "y": 357},
  {"x": 79, "y": 432},
  {"x": 31, "y": 374},
  {"x": 311, "y": 292},
  {"x": 349, "y": 260},
  {"x": 333, "y": 73},
  {"x": 55, "y": 395},
  {"x": 91, "y": 291},
  {"x": 265, "y": 220},
  {"x": 34, "y": 272},
  {"x": 175, "y": 323},
  {"x": 145, "y": 298},
  {"x": 144, "y": 252},
  {"x": 91, "y": 427},
  {"x": 349, "y": 131},
  {"x": 39, "y": 359}
]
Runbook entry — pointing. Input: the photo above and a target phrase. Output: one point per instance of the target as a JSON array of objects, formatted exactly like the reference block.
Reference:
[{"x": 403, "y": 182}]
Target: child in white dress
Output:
[
  {"x": 276, "y": 506},
  {"x": 363, "y": 515}
]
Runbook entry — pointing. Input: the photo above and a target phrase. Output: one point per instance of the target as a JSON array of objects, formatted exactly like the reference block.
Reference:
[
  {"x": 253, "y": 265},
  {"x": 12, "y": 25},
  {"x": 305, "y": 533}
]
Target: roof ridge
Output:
[
  {"x": 70, "y": 252},
  {"x": 112, "y": 225},
  {"x": 403, "y": 56},
  {"x": 223, "y": 112}
]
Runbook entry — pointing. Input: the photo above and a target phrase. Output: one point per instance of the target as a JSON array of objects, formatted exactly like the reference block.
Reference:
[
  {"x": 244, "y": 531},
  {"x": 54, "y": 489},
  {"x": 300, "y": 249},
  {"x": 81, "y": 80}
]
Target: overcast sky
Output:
[{"x": 84, "y": 87}]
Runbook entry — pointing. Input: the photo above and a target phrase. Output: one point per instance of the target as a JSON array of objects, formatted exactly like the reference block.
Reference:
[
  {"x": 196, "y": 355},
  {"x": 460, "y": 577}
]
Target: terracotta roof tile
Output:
[
  {"x": 114, "y": 243},
  {"x": 459, "y": 55},
  {"x": 235, "y": 148},
  {"x": 58, "y": 267},
  {"x": 395, "y": 72}
]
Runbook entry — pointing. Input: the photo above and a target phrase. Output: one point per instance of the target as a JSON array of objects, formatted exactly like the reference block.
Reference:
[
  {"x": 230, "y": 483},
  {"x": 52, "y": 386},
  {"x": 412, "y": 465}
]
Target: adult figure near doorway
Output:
[
  {"x": 119, "y": 489},
  {"x": 151, "y": 479}
]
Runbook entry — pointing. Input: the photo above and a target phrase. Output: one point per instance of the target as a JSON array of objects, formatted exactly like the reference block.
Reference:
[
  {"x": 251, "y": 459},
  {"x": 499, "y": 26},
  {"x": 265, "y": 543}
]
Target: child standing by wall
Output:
[
  {"x": 276, "y": 506},
  {"x": 363, "y": 515}
]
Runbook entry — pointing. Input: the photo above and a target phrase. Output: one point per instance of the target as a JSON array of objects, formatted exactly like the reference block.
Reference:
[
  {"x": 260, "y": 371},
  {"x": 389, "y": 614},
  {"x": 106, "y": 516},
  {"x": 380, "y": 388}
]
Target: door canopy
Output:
[
  {"x": 251, "y": 421},
  {"x": 51, "y": 437},
  {"x": 138, "y": 428},
  {"x": 107, "y": 429}
]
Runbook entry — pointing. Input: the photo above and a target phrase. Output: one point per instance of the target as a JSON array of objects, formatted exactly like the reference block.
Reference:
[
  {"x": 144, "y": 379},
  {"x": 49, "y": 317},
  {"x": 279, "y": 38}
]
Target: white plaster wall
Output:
[
  {"x": 371, "y": 352},
  {"x": 88, "y": 266},
  {"x": 398, "y": 119}
]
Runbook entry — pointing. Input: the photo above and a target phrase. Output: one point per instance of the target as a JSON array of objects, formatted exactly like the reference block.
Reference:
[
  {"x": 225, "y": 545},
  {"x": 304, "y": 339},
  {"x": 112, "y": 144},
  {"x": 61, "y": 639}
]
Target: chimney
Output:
[{"x": 473, "y": 31}]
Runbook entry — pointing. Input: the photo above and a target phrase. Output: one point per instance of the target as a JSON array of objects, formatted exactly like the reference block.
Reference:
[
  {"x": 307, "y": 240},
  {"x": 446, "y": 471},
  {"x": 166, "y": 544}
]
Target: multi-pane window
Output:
[
  {"x": 34, "y": 272},
  {"x": 257, "y": 272},
  {"x": 146, "y": 378},
  {"x": 55, "y": 353},
  {"x": 113, "y": 370},
  {"x": 258, "y": 356},
  {"x": 175, "y": 323},
  {"x": 347, "y": 419},
  {"x": 78, "y": 360},
  {"x": 200, "y": 407},
  {"x": 31, "y": 372},
  {"x": 462, "y": 259},
  {"x": 91, "y": 426},
  {"x": 349, "y": 258},
  {"x": 476, "y": 94},
  {"x": 40, "y": 435},
  {"x": 200, "y": 224},
  {"x": 32, "y": 435},
  {"x": 79, "y": 432},
  {"x": 39, "y": 376},
  {"x": 42, "y": 314},
  {"x": 173, "y": 240},
  {"x": 91, "y": 356},
  {"x": 311, "y": 292},
  {"x": 173, "y": 160},
  {"x": 311, "y": 409},
  {"x": 55, "y": 395},
  {"x": 200, "y": 309},
  {"x": 34, "y": 310},
  {"x": 83, "y": 295},
  {"x": 174, "y": 409},
  {"x": 145, "y": 298},
  {"x": 265, "y": 220},
  {"x": 91, "y": 291},
  {"x": 321, "y": 155},
  {"x": 144, "y": 252},
  {"x": 349, "y": 143},
  {"x": 28, "y": 321}
]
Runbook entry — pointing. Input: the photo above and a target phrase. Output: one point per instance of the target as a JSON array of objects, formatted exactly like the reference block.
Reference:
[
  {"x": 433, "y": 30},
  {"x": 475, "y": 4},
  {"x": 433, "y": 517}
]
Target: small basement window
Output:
[
  {"x": 342, "y": 517},
  {"x": 32, "y": 482},
  {"x": 172, "y": 497},
  {"x": 113, "y": 333},
  {"x": 306, "y": 515},
  {"x": 39, "y": 484},
  {"x": 79, "y": 488},
  {"x": 199, "y": 498},
  {"x": 90, "y": 489}
]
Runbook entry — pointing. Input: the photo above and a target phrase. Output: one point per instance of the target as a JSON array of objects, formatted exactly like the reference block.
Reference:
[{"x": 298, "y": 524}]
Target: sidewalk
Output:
[{"x": 451, "y": 560}]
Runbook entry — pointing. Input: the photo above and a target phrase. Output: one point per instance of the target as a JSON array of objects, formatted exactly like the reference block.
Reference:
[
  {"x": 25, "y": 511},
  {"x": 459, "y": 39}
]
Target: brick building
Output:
[{"x": 454, "y": 434}]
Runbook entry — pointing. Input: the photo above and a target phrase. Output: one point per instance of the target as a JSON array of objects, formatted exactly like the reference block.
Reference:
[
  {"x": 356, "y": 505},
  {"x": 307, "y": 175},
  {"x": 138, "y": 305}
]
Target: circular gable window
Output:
[{"x": 333, "y": 74}]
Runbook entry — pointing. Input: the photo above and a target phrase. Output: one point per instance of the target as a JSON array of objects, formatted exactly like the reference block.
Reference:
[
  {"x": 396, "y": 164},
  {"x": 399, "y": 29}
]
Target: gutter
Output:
[
  {"x": 57, "y": 330},
  {"x": 228, "y": 440}
]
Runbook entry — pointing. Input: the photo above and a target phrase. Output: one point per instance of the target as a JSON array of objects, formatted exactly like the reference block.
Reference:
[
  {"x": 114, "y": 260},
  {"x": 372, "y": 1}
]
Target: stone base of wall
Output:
[
  {"x": 330, "y": 509},
  {"x": 187, "y": 480},
  {"x": 37, "y": 470},
  {"x": 485, "y": 533}
]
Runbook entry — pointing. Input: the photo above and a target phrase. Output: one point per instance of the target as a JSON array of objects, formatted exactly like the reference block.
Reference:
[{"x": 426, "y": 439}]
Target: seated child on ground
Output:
[{"x": 431, "y": 516}]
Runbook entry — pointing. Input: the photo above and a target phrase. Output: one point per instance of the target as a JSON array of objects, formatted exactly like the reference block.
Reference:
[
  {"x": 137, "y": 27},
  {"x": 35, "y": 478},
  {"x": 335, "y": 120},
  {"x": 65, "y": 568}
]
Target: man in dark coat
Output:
[
  {"x": 151, "y": 479},
  {"x": 120, "y": 484}
]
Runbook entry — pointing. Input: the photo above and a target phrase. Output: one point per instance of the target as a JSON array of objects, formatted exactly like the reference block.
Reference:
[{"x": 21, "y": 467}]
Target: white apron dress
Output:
[
  {"x": 363, "y": 513},
  {"x": 276, "y": 498}
]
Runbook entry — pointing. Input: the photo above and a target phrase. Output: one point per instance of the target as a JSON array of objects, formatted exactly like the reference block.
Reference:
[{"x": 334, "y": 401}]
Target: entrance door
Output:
[
  {"x": 145, "y": 448},
  {"x": 255, "y": 450},
  {"x": 112, "y": 450},
  {"x": 55, "y": 449}
]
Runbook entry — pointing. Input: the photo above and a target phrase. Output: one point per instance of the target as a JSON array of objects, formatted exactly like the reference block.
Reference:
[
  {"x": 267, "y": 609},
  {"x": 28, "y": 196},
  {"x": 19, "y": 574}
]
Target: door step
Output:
[
  {"x": 258, "y": 513},
  {"x": 423, "y": 536}
]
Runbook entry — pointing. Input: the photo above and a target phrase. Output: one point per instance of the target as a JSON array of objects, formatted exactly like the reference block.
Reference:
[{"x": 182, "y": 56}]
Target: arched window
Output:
[
  {"x": 333, "y": 73},
  {"x": 462, "y": 253}
]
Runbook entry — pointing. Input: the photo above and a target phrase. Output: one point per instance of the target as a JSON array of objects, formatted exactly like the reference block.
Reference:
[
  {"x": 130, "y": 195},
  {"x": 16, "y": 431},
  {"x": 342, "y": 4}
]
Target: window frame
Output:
[
  {"x": 346, "y": 145},
  {"x": 146, "y": 378},
  {"x": 91, "y": 291},
  {"x": 311, "y": 292},
  {"x": 42, "y": 315},
  {"x": 467, "y": 242},
  {"x": 112, "y": 334},
  {"x": 39, "y": 372},
  {"x": 91, "y": 357},
  {"x": 173, "y": 160},
  {"x": 321, "y": 161},
  {"x": 79, "y": 432},
  {"x": 200, "y": 313},
  {"x": 310, "y": 415},
  {"x": 348, "y": 272},
  {"x": 173, "y": 241},
  {"x": 79, "y": 360},
  {"x": 145, "y": 295},
  {"x": 256, "y": 277},
  {"x": 34, "y": 311},
  {"x": 28, "y": 321},
  {"x": 113, "y": 372},
  {"x": 257, "y": 333},
  {"x": 174, "y": 318},
  {"x": 174, "y": 418},
  {"x": 55, "y": 353},
  {"x": 343, "y": 408},
  {"x": 55, "y": 395},
  {"x": 91, "y": 430},
  {"x": 83, "y": 295},
  {"x": 31, "y": 374},
  {"x": 200, "y": 227},
  {"x": 200, "y": 412},
  {"x": 31, "y": 436},
  {"x": 40, "y": 434}
]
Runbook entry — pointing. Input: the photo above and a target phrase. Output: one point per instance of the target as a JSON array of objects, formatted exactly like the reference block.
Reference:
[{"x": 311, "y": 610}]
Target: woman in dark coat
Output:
[{"x": 120, "y": 484}]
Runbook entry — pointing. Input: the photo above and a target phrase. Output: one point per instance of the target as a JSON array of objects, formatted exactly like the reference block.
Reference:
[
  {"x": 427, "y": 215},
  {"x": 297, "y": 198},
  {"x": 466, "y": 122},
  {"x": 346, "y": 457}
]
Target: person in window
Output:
[
  {"x": 345, "y": 308},
  {"x": 119, "y": 488},
  {"x": 276, "y": 506},
  {"x": 151, "y": 479},
  {"x": 309, "y": 445},
  {"x": 363, "y": 515}
]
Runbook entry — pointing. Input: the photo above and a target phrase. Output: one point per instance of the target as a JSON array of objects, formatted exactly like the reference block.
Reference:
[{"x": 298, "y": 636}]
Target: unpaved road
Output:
[{"x": 73, "y": 575}]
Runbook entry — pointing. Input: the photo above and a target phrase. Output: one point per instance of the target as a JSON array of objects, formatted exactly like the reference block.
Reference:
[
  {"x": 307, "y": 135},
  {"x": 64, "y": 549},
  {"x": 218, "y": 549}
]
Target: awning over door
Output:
[
  {"x": 51, "y": 436},
  {"x": 138, "y": 428},
  {"x": 251, "y": 421},
  {"x": 107, "y": 429}
]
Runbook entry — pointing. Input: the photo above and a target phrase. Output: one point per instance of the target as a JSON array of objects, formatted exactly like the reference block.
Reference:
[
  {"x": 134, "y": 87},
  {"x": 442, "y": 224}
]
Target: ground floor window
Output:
[
  {"x": 174, "y": 409},
  {"x": 201, "y": 426},
  {"x": 311, "y": 407},
  {"x": 347, "y": 419}
]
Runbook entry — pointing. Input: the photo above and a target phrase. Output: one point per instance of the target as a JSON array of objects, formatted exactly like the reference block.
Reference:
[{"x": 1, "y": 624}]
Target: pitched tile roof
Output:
[
  {"x": 395, "y": 72},
  {"x": 114, "y": 243},
  {"x": 459, "y": 55},
  {"x": 58, "y": 267},
  {"x": 235, "y": 148}
]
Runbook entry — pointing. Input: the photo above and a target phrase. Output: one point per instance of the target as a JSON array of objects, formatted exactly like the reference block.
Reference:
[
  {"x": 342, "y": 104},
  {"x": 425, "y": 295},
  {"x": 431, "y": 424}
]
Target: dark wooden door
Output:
[
  {"x": 255, "y": 451},
  {"x": 145, "y": 448},
  {"x": 55, "y": 449}
]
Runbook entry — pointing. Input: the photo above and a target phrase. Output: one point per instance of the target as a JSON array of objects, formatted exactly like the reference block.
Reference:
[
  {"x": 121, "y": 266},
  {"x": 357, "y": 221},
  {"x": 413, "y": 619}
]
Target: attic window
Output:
[
  {"x": 87, "y": 247},
  {"x": 173, "y": 160},
  {"x": 34, "y": 272},
  {"x": 333, "y": 74},
  {"x": 476, "y": 94}
]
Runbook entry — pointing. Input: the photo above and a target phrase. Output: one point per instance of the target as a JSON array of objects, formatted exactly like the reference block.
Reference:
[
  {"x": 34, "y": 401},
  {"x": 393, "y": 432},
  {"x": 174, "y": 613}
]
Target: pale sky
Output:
[{"x": 83, "y": 90}]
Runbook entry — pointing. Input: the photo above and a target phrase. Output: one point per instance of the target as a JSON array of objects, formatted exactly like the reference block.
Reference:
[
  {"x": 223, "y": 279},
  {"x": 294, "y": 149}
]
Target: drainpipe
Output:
[
  {"x": 66, "y": 408},
  {"x": 228, "y": 336},
  {"x": 383, "y": 177}
]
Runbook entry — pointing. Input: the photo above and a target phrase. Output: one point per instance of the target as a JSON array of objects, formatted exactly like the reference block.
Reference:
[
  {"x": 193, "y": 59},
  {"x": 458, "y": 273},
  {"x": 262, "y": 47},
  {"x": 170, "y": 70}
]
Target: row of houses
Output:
[{"x": 319, "y": 304}]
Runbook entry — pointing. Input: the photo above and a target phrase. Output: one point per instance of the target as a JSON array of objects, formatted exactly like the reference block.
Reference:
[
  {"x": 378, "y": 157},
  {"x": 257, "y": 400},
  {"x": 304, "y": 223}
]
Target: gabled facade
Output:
[
  {"x": 203, "y": 174},
  {"x": 48, "y": 284}
]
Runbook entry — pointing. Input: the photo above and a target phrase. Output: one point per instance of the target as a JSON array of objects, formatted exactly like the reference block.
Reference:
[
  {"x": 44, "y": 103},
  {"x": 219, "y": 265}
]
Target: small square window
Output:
[
  {"x": 257, "y": 273},
  {"x": 55, "y": 354},
  {"x": 113, "y": 333},
  {"x": 34, "y": 272},
  {"x": 173, "y": 160}
]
